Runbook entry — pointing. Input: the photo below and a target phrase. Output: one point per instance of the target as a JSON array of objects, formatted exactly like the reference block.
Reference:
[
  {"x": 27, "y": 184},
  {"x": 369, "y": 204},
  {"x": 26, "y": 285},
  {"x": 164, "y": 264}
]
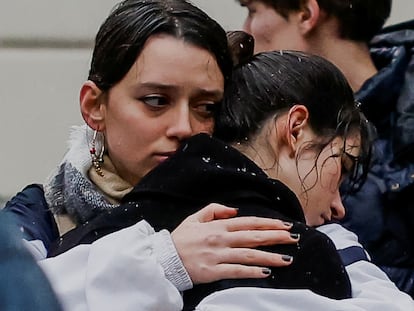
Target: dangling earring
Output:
[{"x": 97, "y": 160}]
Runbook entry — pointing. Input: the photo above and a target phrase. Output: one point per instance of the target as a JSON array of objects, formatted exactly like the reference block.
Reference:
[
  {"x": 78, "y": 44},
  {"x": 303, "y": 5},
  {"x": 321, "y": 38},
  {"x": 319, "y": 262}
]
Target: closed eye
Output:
[{"x": 349, "y": 164}]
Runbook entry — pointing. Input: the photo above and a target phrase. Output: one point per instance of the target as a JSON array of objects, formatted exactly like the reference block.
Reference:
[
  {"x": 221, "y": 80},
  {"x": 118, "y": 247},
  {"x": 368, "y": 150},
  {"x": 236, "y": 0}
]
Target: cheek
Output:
[
  {"x": 128, "y": 136},
  {"x": 267, "y": 28},
  {"x": 206, "y": 126},
  {"x": 307, "y": 170},
  {"x": 261, "y": 32},
  {"x": 330, "y": 174},
  {"x": 246, "y": 25}
]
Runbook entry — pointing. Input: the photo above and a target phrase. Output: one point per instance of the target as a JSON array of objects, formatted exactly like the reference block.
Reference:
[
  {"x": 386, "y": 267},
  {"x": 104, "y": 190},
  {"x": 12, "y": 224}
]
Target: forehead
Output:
[
  {"x": 164, "y": 44},
  {"x": 170, "y": 63},
  {"x": 164, "y": 53}
]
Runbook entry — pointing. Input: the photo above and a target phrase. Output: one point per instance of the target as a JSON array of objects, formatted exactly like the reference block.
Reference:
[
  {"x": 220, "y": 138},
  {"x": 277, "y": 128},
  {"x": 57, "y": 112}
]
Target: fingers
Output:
[
  {"x": 256, "y": 223},
  {"x": 234, "y": 271},
  {"x": 247, "y": 264},
  {"x": 213, "y": 211},
  {"x": 214, "y": 245},
  {"x": 254, "y": 257},
  {"x": 255, "y": 238},
  {"x": 242, "y": 272}
]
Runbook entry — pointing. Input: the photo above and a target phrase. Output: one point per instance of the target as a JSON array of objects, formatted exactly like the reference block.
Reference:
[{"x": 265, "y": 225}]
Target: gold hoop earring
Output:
[{"x": 97, "y": 159}]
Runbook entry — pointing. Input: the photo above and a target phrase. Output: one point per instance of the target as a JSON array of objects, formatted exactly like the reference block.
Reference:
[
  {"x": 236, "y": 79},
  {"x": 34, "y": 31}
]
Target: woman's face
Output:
[
  {"x": 167, "y": 96},
  {"x": 320, "y": 197},
  {"x": 315, "y": 176},
  {"x": 271, "y": 31}
]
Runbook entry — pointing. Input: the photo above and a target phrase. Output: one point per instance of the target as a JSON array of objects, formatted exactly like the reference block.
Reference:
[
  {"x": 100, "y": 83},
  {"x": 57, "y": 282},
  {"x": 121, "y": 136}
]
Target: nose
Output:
[
  {"x": 180, "y": 126},
  {"x": 337, "y": 207}
]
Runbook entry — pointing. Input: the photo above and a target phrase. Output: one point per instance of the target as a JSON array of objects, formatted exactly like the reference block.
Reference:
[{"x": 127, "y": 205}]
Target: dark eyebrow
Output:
[
  {"x": 167, "y": 87},
  {"x": 160, "y": 86},
  {"x": 213, "y": 93}
]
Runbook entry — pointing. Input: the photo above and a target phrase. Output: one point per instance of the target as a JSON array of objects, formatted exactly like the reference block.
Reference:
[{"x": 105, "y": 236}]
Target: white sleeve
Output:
[
  {"x": 371, "y": 290},
  {"x": 132, "y": 269},
  {"x": 371, "y": 287}
]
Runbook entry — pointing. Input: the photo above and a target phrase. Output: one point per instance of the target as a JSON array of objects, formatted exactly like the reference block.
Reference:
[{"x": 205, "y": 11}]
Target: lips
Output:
[
  {"x": 166, "y": 154},
  {"x": 162, "y": 156}
]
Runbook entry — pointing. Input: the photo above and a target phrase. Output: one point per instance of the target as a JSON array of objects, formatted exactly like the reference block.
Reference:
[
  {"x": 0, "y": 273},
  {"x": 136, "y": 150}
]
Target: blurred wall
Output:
[{"x": 44, "y": 58}]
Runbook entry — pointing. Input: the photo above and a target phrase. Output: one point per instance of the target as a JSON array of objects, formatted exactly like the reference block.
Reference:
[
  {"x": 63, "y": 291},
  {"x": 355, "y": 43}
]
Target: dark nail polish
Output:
[
  {"x": 266, "y": 271},
  {"x": 288, "y": 224},
  {"x": 287, "y": 258},
  {"x": 295, "y": 236}
]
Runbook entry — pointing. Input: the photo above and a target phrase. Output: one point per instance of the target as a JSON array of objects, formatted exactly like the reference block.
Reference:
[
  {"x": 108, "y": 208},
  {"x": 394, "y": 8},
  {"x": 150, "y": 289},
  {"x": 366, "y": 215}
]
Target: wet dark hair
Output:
[
  {"x": 359, "y": 20},
  {"x": 123, "y": 34},
  {"x": 267, "y": 84}
]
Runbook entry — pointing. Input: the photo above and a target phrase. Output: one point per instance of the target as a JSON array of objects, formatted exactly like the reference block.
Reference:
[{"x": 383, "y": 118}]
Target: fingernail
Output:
[
  {"x": 295, "y": 236},
  {"x": 288, "y": 224},
  {"x": 266, "y": 271},
  {"x": 287, "y": 258}
]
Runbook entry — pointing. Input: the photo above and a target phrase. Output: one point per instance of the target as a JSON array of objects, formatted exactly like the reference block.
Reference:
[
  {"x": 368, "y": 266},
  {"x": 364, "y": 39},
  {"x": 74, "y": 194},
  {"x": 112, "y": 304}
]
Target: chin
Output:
[{"x": 315, "y": 222}]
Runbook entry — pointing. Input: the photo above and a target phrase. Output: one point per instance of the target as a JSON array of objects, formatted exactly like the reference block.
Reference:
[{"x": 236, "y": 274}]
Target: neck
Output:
[
  {"x": 351, "y": 57},
  {"x": 261, "y": 153}
]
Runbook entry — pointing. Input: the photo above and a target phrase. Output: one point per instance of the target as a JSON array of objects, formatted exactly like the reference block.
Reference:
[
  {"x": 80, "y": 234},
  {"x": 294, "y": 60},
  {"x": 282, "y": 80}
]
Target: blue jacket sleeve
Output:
[
  {"x": 23, "y": 284},
  {"x": 32, "y": 215}
]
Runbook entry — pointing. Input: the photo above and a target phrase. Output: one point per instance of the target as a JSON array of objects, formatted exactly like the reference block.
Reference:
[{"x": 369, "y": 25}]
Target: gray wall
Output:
[{"x": 44, "y": 58}]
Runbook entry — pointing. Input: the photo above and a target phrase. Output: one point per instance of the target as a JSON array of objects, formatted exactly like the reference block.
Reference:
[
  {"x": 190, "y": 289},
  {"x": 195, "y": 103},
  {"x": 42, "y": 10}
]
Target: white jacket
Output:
[{"x": 139, "y": 269}]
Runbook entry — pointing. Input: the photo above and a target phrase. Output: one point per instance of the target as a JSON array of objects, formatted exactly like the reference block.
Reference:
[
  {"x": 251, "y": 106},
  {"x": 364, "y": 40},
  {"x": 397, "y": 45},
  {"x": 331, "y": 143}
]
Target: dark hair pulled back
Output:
[
  {"x": 267, "y": 84},
  {"x": 131, "y": 23},
  {"x": 241, "y": 45}
]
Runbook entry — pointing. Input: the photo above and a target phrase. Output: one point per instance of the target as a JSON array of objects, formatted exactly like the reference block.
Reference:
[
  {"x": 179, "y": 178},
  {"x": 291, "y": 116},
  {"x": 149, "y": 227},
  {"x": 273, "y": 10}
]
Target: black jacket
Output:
[{"x": 205, "y": 170}]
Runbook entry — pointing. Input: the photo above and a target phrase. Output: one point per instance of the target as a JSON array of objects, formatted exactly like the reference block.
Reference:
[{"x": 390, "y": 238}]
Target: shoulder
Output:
[
  {"x": 32, "y": 215},
  {"x": 341, "y": 237},
  {"x": 25, "y": 286},
  {"x": 346, "y": 242}
]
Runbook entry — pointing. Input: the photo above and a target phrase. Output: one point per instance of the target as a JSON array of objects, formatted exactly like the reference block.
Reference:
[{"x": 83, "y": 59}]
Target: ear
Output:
[
  {"x": 91, "y": 105},
  {"x": 309, "y": 16},
  {"x": 296, "y": 125}
]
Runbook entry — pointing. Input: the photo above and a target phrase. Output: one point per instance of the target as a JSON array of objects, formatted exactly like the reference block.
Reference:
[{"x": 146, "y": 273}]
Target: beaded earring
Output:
[{"x": 97, "y": 159}]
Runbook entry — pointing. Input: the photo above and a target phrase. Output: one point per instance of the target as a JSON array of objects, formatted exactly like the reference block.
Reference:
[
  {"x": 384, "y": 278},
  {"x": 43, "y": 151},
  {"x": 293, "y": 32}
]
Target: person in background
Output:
[
  {"x": 377, "y": 63},
  {"x": 158, "y": 72}
]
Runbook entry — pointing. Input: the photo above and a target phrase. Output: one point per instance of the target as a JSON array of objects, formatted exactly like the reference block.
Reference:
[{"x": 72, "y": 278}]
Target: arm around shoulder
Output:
[{"x": 132, "y": 261}]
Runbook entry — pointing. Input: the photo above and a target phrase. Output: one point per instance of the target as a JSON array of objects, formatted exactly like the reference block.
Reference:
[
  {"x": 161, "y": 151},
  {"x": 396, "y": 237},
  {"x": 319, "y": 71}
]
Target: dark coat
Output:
[
  {"x": 32, "y": 215},
  {"x": 205, "y": 170},
  {"x": 382, "y": 212},
  {"x": 23, "y": 284}
]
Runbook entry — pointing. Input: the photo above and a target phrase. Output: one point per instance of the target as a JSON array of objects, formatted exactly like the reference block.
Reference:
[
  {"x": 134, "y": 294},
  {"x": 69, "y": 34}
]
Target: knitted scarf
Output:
[{"x": 75, "y": 190}]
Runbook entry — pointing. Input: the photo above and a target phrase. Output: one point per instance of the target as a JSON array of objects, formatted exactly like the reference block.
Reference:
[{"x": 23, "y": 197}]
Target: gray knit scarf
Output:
[{"x": 68, "y": 190}]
